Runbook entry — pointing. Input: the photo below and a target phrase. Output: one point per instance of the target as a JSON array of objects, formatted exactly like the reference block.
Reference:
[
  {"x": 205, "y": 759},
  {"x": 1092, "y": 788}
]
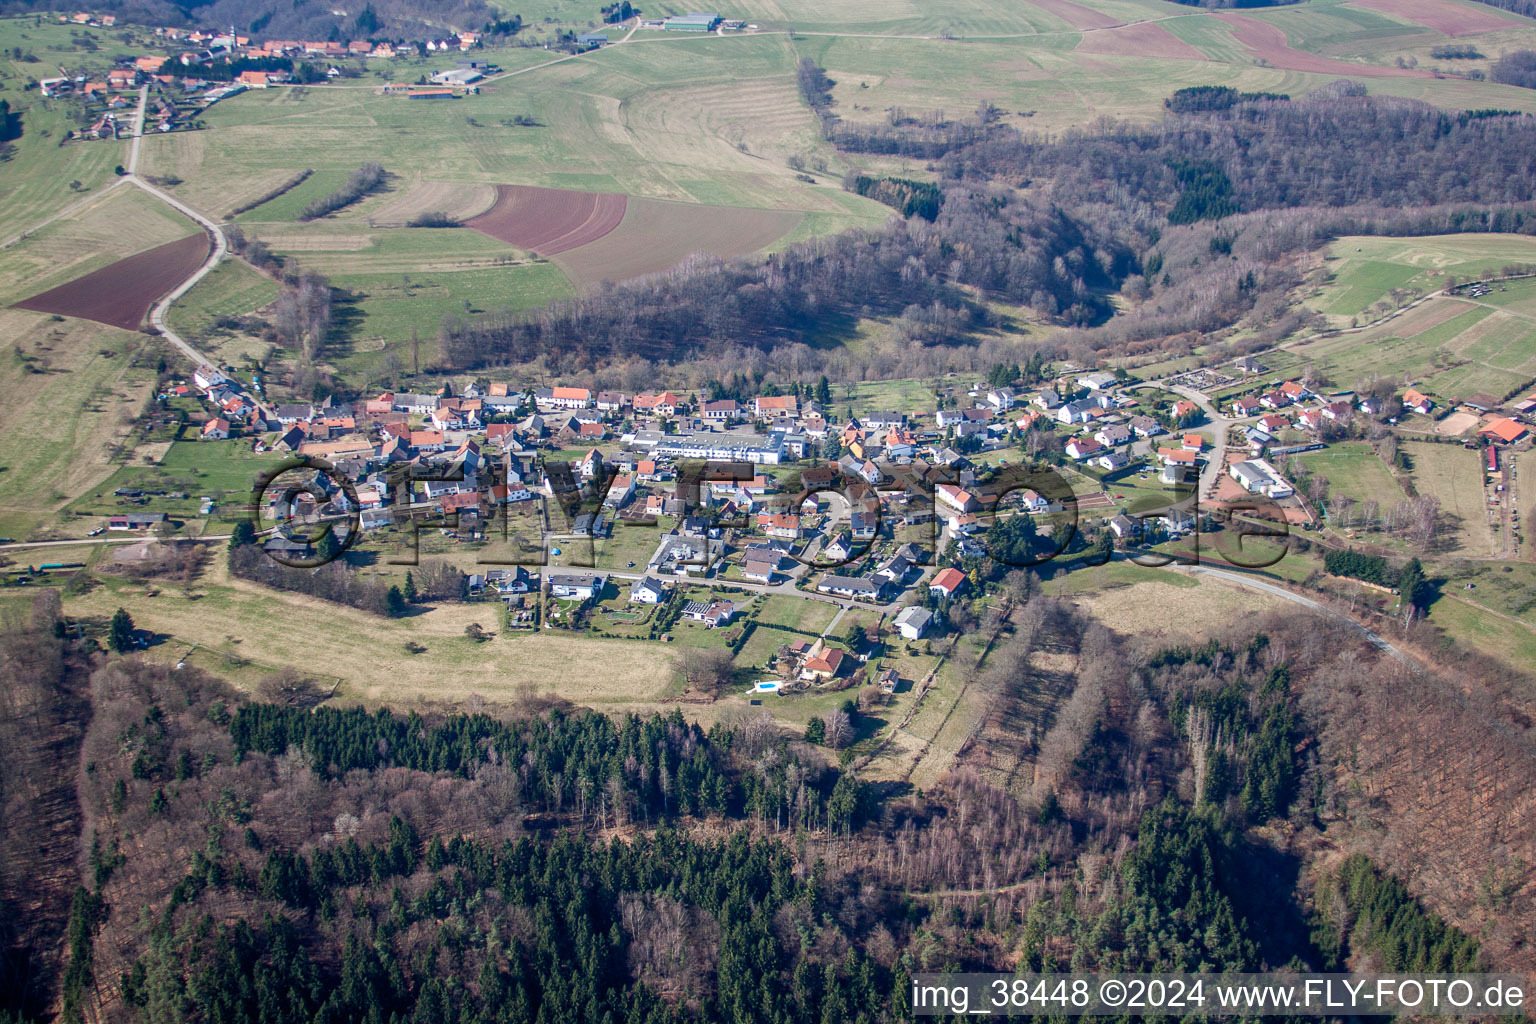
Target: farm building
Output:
[
  {"x": 1505, "y": 430},
  {"x": 430, "y": 94},
  {"x": 458, "y": 76},
  {"x": 592, "y": 39},
  {"x": 691, "y": 23}
]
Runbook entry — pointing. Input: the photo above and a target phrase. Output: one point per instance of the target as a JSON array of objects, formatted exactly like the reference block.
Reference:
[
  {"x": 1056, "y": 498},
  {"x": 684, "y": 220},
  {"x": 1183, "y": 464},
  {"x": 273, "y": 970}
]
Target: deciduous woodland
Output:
[
  {"x": 1197, "y": 222},
  {"x": 175, "y": 851}
]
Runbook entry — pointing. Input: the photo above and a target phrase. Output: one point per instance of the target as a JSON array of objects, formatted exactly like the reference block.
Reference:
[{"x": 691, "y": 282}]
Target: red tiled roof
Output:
[{"x": 948, "y": 580}]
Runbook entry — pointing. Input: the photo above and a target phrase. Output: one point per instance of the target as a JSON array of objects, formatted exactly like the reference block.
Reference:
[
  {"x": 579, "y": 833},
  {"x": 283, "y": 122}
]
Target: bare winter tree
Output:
[{"x": 839, "y": 729}]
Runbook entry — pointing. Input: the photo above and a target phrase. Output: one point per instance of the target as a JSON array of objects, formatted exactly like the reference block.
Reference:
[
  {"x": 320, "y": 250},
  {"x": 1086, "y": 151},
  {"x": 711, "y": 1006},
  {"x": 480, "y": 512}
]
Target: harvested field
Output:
[
  {"x": 459, "y": 200},
  {"x": 656, "y": 236},
  {"x": 1453, "y": 19},
  {"x": 1143, "y": 39},
  {"x": 1270, "y": 44},
  {"x": 549, "y": 220},
  {"x": 1077, "y": 15},
  {"x": 121, "y": 294}
]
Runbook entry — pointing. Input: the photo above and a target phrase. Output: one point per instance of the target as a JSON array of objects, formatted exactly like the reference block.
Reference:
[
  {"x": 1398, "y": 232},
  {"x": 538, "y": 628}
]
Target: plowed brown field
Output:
[
  {"x": 548, "y": 221},
  {"x": 656, "y": 236},
  {"x": 1441, "y": 15},
  {"x": 122, "y": 293},
  {"x": 1077, "y": 15}
]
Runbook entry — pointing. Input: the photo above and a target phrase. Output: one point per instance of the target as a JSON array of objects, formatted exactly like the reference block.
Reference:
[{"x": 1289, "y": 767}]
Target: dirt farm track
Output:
[{"x": 121, "y": 293}]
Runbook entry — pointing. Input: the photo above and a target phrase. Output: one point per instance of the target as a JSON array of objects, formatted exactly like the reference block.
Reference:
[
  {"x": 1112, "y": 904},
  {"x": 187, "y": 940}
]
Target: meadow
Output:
[
  {"x": 72, "y": 389},
  {"x": 36, "y": 182},
  {"x": 1364, "y": 269},
  {"x": 233, "y": 289},
  {"x": 1454, "y": 476},
  {"x": 1355, "y": 471},
  {"x": 1449, "y": 347}
]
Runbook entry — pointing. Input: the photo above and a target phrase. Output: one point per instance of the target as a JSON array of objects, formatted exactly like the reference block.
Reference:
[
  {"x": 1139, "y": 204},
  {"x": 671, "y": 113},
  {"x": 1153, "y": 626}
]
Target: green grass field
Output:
[
  {"x": 1450, "y": 347},
  {"x": 1352, "y": 469},
  {"x": 1364, "y": 269},
  {"x": 233, "y": 289},
  {"x": 224, "y": 470},
  {"x": 81, "y": 379},
  {"x": 1454, "y": 476},
  {"x": 36, "y": 180}
]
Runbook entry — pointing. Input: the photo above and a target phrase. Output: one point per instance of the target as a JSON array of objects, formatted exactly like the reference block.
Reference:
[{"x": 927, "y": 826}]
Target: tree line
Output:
[{"x": 361, "y": 182}]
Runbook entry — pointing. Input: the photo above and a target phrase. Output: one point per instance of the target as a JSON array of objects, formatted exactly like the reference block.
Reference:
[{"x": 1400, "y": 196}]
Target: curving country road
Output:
[{"x": 220, "y": 243}]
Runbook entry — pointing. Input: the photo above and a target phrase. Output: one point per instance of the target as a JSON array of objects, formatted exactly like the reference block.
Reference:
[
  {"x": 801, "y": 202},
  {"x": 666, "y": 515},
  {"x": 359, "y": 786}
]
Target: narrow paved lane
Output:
[{"x": 220, "y": 243}]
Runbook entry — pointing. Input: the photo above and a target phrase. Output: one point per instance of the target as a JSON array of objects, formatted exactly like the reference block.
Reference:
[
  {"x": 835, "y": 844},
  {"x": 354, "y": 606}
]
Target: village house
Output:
[
  {"x": 650, "y": 404},
  {"x": 913, "y": 622},
  {"x": 1124, "y": 527},
  {"x": 957, "y": 498},
  {"x": 946, "y": 583},
  {"x": 1273, "y": 424},
  {"x": 1417, "y": 401},
  {"x": 758, "y": 570},
  {"x": 1076, "y": 412},
  {"x": 1002, "y": 399},
  {"x": 1177, "y": 456},
  {"x": 783, "y": 525},
  {"x": 1112, "y": 435},
  {"x": 577, "y": 588},
  {"x": 562, "y": 398},
  {"x": 822, "y": 663},
  {"x": 859, "y": 587},
  {"x": 776, "y": 407},
  {"x": 647, "y": 591},
  {"x": 713, "y": 614},
  {"x": 135, "y": 521},
  {"x": 1111, "y": 461},
  {"x": 1080, "y": 448}
]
